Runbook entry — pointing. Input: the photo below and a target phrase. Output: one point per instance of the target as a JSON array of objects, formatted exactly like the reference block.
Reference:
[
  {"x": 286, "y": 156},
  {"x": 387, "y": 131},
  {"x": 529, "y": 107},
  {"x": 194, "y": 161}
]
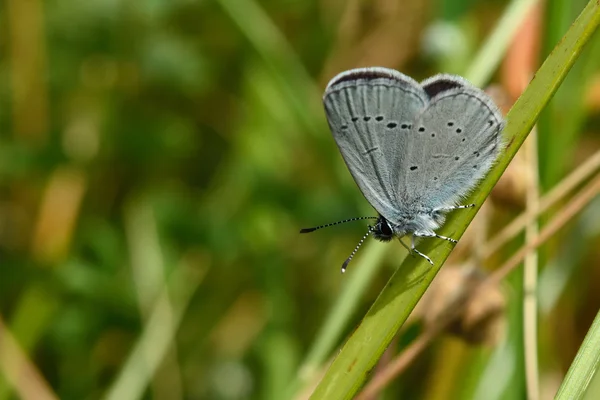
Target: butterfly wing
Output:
[
  {"x": 370, "y": 111},
  {"x": 454, "y": 142}
]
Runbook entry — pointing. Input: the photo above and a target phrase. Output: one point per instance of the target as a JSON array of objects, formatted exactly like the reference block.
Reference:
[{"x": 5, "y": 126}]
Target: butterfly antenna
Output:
[
  {"x": 356, "y": 249},
  {"x": 306, "y": 230}
]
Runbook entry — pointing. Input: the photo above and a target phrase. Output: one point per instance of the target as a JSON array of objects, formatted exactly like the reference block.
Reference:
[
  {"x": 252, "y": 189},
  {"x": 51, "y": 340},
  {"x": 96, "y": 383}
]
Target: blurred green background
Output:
[{"x": 158, "y": 158}]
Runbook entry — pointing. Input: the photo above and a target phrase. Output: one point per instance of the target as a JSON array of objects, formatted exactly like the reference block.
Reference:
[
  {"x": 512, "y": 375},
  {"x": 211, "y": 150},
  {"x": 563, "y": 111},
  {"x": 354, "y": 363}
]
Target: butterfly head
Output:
[{"x": 383, "y": 230}]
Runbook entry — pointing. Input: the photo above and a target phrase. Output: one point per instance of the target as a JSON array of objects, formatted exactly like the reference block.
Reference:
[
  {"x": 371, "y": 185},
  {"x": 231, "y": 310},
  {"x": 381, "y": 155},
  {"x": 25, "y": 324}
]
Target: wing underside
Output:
[
  {"x": 454, "y": 143},
  {"x": 369, "y": 113},
  {"x": 409, "y": 145}
]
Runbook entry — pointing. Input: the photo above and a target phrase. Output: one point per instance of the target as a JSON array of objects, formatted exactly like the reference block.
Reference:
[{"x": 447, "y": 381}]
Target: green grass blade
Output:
[
  {"x": 584, "y": 365},
  {"x": 397, "y": 300},
  {"x": 487, "y": 60},
  {"x": 364, "y": 270}
]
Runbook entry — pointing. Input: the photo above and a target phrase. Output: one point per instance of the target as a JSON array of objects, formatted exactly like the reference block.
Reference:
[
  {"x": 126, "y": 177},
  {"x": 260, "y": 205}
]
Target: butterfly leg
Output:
[
  {"x": 412, "y": 243},
  {"x": 433, "y": 234},
  {"x": 405, "y": 246},
  {"x": 446, "y": 238},
  {"x": 446, "y": 209}
]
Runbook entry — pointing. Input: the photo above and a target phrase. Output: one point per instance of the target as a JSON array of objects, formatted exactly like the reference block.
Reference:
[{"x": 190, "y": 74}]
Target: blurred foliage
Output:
[{"x": 158, "y": 158}]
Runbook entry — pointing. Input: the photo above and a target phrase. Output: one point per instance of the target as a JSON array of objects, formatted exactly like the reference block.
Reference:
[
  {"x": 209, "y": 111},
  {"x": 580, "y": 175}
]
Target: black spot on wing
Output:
[{"x": 369, "y": 151}]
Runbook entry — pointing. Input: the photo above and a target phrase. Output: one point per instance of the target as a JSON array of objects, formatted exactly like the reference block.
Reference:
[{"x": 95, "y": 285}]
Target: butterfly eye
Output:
[{"x": 385, "y": 228}]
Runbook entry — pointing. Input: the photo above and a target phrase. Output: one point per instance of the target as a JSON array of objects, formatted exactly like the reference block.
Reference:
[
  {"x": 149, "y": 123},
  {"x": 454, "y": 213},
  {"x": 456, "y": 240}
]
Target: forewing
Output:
[
  {"x": 454, "y": 143},
  {"x": 370, "y": 111}
]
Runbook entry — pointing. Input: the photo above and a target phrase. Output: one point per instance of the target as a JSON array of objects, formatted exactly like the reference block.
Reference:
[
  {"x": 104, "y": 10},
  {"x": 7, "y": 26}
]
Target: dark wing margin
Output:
[{"x": 437, "y": 84}]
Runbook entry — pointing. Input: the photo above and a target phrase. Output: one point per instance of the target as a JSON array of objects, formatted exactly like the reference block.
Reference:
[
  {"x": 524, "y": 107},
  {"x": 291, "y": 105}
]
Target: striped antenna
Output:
[
  {"x": 356, "y": 249},
  {"x": 306, "y": 230}
]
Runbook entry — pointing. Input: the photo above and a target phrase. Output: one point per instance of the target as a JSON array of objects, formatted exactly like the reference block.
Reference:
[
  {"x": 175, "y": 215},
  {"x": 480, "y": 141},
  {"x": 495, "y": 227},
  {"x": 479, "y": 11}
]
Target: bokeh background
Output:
[{"x": 158, "y": 158}]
